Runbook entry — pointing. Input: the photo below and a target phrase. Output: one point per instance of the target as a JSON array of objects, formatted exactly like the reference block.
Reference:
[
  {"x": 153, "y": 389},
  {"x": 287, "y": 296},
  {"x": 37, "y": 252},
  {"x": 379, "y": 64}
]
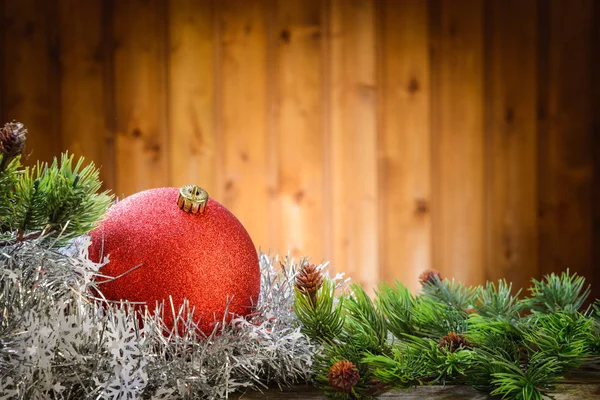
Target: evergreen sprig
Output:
[
  {"x": 416, "y": 361},
  {"x": 434, "y": 319},
  {"x": 57, "y": 201},
  {"x": 323, "y": 321},
  {"x": 9, "y": 176},
  {"x": 54, "y": 202},
  {"x": 485, "y": 336},
  {"x": 594, "y": 344},
  {"x": 563, "y": 336},
  {"x": 450, "y": 292},
  {"x": 565, "y": 292},
  {"x": 404, "y": 368},
  {"x": 533, "y": 382},
  {"x": 397, "y": 305},
  {"x": 497, "y": 301},
  {"x": 364, "y": 322},
  {"x": 504, "y": 336}
]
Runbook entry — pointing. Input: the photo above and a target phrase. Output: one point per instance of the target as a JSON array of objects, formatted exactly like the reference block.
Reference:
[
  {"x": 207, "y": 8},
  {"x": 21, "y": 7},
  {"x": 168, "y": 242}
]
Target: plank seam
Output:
[
  {"x": 218, "y": 98},
  {"x": 54, "y": 46},
  {"x": 272, "y": 126},
  {"x": 434, "y": 86},
  {"x": 542, "y": 114},
  {"x": 488, "y": 40},
  {"x": 165, "y": 61},
  {"x": 596, "y": 145},
  {"x": 328, "y": 223},
  {"x": 384, "y": 264}
]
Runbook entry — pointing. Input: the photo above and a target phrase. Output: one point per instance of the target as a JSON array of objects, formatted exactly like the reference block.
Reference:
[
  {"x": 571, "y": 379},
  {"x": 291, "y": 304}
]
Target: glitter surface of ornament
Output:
[{"x": 208, "y": 259}]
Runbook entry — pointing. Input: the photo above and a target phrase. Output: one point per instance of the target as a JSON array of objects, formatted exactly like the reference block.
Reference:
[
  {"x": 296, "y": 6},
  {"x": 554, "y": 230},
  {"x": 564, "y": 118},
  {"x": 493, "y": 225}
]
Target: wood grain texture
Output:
[
  {"x": 83, "y": 64},
  {"x": 297, "y": 58},
  {"x": 405, "y": 147},
  {"x": 596, "y": 146},
  {"x": 141, "y": 147},
  {"x": 243, "y": 111},
  {"x": 353, "y": 140},
  {"x": 566, "y": 152},
  {"x": 511, "y": 179},
  {"x": 450, "y": 392},
  {"x": 458, "y": 159},
  {"x": 31, "y": 78},
  {"x": 386, "y": 136},
  {"x": 191, "y": 99}
]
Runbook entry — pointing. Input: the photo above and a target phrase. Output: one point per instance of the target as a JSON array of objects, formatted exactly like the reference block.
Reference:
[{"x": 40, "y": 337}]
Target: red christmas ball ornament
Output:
[{"x": 189, "y": 246}]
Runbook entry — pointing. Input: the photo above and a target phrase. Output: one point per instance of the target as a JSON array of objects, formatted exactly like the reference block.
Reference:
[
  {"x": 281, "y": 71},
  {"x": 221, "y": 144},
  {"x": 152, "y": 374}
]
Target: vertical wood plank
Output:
[
  {"x": 193, "y": 144},
  {"x": 140, "y": 95},
  {"x": 566, "y": 155},
  {"x": 31, "y": 75},
  {"x": 353, "y": 142},
  {"x": 298, "y": 30},
  {"x": 405, "y": 147},
  {"x": 459, "y": 141},
  {"x": 596, "y": 156},
  {"x": 512, "y": 225},
  {"x": 83, "y": 104},
  {"x": 243, "y": 111}
]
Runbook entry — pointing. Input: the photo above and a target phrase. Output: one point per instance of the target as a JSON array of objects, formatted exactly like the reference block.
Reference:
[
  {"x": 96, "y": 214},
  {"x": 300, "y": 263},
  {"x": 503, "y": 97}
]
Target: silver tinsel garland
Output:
[{"x": 57, "y": 341}]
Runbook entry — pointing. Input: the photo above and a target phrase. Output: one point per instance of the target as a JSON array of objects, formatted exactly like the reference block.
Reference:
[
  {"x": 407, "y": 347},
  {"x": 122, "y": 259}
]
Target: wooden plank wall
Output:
[{"x": 387, "y": 136}]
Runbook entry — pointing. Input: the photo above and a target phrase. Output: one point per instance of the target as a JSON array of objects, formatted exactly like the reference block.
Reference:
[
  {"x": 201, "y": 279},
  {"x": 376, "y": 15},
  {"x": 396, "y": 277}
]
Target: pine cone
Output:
[
  {"x": 453, "y": 342},
  {"x": 309, "y": 281},
  {"x": 12, "y": 139},
  {"x": 342, "y": 376},
  {"x": 430, "y": 276}
]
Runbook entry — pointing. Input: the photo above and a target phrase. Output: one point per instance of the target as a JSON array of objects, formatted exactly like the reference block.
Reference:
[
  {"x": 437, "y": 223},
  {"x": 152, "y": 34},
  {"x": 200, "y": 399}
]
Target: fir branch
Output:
[
  {"x": 450, "y": 292},
  {"x": 61, "y": 200},
  {"x": 28, "y": 209},
  {"x": 444, "y": 365},
  {"x": 566, "y": 292},
  {"x": 417, "y": 361},
  {"x": 563, "y": 336},
  {"x": 497, "y": 301},
  {"x": 488, "y": 361},
  {"x": 397, "y": 304},
  {"x": 434, "y": 319},
  {"x": 594, "y": 344},
  {"x": 531, "y": 383},
  {"x": 404, "y": 368},
  {"x": 8, "y": 180},
  {"x": 365, "y": 323},
  {"x": 72, "y": 196},
  {"x": 324, "y": 321},
  {"x": 503, "y": 335}
]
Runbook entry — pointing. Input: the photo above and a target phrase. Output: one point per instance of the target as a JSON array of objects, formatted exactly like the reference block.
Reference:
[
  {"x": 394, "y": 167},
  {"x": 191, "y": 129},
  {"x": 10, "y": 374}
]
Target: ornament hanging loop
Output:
[{"x": 192, "y": 199}]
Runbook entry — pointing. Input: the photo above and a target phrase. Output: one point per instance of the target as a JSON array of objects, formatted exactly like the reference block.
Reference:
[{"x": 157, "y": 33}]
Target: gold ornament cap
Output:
[{"x": 192, "y": 199}]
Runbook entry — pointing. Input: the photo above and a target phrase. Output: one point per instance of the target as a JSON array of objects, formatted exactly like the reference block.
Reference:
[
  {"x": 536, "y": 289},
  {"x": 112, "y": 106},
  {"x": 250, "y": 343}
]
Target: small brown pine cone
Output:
[
  {"x": 342, "y": 376},
  {"x": 453, "y": 342},
  {"x": 309, "y": 281},
  {"x": 12, "y": 139},
  {"x": 430, "y": 276}
]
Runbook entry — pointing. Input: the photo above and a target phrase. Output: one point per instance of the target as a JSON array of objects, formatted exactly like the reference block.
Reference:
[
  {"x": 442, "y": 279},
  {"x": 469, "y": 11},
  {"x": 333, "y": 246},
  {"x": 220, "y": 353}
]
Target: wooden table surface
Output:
[{"x": 570, "y": 391}]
